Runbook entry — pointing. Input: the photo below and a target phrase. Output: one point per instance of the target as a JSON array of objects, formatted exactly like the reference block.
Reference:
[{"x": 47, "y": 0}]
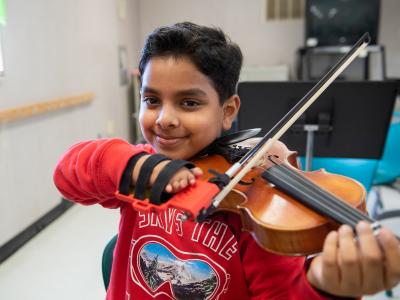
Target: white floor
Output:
[{"x": 64, "y": 260}]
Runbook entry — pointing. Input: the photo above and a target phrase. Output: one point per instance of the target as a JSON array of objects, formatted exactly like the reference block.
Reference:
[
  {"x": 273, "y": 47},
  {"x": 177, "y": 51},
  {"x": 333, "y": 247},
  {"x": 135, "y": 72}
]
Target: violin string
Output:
[
  {"x": 333, "y": 200},
  {"x": 324, "y": 196},
  {"x": 333, "y": 203},
  {"x": 330, "y": 198},
  {"x": 309, "y": 198},
  {"x": 340, "y": 214},
  {"x": 303, "y": 194},
  {"x": 318, "y": 200}
]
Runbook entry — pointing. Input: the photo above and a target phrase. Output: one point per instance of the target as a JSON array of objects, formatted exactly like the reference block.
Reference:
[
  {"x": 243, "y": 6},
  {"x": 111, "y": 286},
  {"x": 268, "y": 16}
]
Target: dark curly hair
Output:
[{"x": 211, "y": 51}]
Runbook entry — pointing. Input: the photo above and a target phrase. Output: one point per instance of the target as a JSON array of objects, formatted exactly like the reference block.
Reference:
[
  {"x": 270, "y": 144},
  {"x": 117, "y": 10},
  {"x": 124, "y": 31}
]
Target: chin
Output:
[
  {"x": 169, "y": 153},
  {"x": 185, "y": 156},
  {"x": 179, "y": 156}
]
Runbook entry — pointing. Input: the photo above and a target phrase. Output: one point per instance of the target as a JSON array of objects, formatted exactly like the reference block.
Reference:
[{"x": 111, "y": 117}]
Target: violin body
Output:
[{"x": 278, "y": 222}]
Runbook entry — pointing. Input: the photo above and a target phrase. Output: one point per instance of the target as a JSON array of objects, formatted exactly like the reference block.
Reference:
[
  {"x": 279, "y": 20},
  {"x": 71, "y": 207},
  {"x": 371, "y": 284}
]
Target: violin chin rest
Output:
[{"x": 237, "y": 137}]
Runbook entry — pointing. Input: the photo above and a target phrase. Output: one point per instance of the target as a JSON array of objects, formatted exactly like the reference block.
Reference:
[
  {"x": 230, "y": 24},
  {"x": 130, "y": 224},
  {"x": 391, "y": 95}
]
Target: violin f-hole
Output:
[{"x": 243, "y": 182}]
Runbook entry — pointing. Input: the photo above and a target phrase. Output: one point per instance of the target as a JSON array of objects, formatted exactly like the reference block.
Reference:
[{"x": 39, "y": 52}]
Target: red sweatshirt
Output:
[{"x": 159, "y": 256}]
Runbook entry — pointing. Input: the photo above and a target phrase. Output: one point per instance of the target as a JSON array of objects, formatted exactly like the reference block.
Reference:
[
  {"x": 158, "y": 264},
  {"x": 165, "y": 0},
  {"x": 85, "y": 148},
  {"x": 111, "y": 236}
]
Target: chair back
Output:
[
  {"x": 362, "y": 170},
  {"x": 389, "y": 166},
  {"x": 107, "y": 259}
]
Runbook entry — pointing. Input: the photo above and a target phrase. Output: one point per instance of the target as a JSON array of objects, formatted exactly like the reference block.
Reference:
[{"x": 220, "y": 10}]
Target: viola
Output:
[{"x": 287, "y": 212}]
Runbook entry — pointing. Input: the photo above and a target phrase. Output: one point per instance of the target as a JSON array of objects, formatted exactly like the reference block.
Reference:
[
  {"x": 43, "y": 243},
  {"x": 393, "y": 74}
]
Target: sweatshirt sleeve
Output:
[
  {"x": 90, "y": 172},
  {"x": 272, "y": 276}
]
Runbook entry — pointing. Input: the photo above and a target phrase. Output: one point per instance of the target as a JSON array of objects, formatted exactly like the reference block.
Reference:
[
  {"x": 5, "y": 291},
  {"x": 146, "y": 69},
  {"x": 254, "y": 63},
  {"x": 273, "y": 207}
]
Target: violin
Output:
[
  {"x": 293, "y": 221},
  {"x": 287, "y": 211}
]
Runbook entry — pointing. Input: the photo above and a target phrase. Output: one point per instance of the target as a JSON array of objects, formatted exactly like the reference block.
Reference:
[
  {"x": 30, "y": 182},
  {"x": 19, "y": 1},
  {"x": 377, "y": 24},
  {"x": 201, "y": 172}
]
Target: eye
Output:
[
  {"x": 151, "y": 101},
  {"x": 190, "y": 103}
]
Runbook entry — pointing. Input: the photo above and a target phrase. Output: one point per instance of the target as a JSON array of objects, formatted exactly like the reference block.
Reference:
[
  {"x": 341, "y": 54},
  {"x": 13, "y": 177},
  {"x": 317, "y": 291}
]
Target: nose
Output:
[{"x": 167, "y": 117}]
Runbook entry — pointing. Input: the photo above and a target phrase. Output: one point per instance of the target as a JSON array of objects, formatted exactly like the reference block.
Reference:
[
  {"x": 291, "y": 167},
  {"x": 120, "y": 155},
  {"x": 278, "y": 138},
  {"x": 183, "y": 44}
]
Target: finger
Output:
[
  {"x": 371, "y": 259},
  {"x": 350, "y": 267},
  {"x": 391, "y": 250},
  {"x": 191, "y": 179},
  {"x": 175, "y": 186},
  {"x": 168, "y": 188},
  {"x": 183, "y": 183},
  {"x": 197, "y": 172},
  {"x": 330, "y": 268}
]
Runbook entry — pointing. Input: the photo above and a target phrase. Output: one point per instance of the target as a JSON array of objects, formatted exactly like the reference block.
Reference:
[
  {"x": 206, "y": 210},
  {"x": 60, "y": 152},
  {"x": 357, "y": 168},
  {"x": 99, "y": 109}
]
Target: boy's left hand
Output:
[
  {"x": 354, "y": 268},
  {"x": 183, "y": 178}
]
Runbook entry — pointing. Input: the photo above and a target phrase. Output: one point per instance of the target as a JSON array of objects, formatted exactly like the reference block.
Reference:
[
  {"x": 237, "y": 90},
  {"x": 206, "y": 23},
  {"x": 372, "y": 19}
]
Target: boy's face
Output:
[{"x": 180, "y": 113}]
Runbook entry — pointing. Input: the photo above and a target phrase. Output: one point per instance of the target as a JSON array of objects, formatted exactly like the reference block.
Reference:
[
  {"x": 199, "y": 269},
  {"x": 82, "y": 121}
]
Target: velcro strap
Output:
[
  {"x": 157, "y": 191},
  {"x": 145, "y": 172},
  {"x": 126, "y": 178},
  {"x": 220, "y": 179}
]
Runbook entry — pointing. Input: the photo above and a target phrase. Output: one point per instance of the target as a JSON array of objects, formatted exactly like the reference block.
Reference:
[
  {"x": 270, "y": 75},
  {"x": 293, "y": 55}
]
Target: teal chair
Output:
[
  {"x": 389, "y": 166},
  {"x": 362, "y": 170},
  {"x": 107, "y": 259},
  {"x": 369, "y": 172},
  {"x": 388, "y": 170}
]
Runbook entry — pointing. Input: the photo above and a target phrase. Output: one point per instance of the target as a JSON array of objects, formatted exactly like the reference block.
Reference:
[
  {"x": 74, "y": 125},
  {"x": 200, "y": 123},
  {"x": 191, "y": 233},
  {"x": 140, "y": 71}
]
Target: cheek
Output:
[
  {"x": 207, "y": 126},
  {"x": 146, "y": 121}
]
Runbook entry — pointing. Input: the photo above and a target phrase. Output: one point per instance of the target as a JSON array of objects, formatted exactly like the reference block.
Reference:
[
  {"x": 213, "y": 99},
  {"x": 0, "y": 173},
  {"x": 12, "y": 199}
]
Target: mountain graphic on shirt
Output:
[{"x": 190, "y": 279}]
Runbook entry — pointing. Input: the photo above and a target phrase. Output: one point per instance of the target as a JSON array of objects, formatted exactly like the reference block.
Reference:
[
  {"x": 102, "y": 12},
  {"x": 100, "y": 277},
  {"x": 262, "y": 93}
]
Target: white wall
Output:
[
  {"x": 389, "y": 35},
  {"x": 263, "y": 43},
  {"x": 52, "y": 49}
]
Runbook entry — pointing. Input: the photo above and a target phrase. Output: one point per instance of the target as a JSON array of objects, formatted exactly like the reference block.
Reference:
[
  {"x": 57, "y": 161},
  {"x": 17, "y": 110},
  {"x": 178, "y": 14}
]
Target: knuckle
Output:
[
  {"x": 329, "y": 262},
  {"x": 350, "y": 261},
  {"x": 373, "y": 259}
]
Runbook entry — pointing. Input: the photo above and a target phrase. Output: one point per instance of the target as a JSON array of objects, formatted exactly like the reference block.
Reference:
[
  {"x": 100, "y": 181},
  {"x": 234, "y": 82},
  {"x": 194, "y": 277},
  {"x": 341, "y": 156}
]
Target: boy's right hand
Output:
[{"x": 183, "y": 177}]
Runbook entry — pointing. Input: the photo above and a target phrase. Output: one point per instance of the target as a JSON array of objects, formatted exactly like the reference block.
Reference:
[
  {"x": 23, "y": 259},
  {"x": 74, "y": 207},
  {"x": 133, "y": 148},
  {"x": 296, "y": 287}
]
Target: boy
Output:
[{"x": 189, "y": 75}]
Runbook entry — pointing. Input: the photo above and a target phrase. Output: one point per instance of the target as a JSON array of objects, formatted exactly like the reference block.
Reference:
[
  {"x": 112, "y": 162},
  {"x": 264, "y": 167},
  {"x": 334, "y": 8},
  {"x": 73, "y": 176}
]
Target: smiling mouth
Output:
[{"x": 168, "y": 141}]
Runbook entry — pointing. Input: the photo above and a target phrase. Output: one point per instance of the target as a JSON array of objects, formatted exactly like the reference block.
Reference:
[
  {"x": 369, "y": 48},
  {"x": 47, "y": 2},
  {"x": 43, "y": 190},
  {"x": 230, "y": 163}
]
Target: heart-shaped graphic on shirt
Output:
[{"x": 189, "y": 279}]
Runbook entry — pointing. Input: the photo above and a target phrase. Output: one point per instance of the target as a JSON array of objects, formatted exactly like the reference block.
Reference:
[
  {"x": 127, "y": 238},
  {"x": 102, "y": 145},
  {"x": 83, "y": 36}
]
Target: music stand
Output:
[{"x": 349, "y": 120}]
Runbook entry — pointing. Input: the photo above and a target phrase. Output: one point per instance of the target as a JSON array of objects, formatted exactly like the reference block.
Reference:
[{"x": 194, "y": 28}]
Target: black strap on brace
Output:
[
  {"x": 126, "y": 178},
  {"x": 158, "y": 195},
  {"x": 145, "y": 172},
  {"x": 220, "y": 179}
]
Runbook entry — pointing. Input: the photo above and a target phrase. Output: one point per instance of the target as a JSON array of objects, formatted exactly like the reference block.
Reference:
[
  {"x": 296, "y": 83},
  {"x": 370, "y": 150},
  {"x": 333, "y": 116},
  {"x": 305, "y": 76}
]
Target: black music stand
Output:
[{"x": 349, "y": 120}]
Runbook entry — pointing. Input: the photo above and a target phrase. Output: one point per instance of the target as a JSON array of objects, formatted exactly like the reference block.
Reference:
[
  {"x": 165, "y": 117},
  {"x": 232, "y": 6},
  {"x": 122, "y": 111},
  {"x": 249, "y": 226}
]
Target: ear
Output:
[{"x": 230, "y": 109}]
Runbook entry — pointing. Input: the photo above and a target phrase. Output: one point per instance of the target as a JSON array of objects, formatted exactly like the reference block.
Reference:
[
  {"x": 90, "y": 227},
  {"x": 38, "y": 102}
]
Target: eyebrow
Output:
[
  {"x": 188, "y": 92},
  {"x": 192, "y": 92},
  {"x": 147, "y": 89}
]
